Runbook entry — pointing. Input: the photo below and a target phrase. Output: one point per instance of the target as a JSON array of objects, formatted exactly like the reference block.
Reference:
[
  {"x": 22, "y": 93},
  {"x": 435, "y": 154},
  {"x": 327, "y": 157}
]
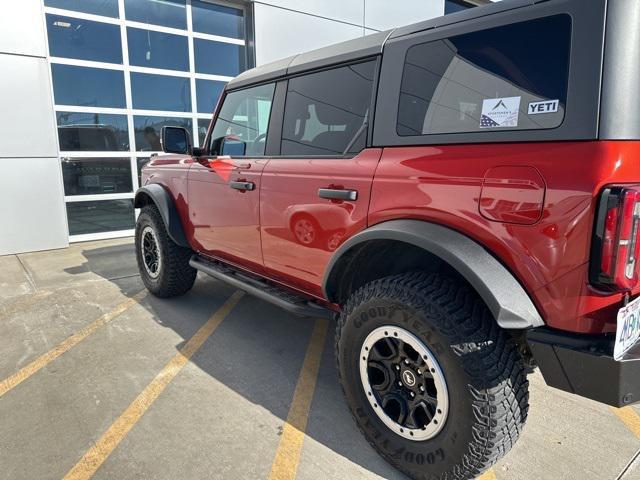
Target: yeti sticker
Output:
[
  {"x": 500, "y": 112},
  {"x": 548, "y": 106}
]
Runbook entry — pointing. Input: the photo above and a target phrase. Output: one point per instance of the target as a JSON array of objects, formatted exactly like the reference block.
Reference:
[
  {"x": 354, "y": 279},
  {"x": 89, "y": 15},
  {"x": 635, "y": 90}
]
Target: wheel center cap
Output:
[{"x": 408, "y": 378}]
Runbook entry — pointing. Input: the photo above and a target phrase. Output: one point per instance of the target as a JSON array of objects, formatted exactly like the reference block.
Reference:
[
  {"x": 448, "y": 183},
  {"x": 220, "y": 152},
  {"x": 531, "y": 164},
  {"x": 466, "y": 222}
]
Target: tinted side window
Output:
[
  {"x": 512, "y": 77},
  {"x": 241, "y": 126},
  {"x": 325, "y": 112}
]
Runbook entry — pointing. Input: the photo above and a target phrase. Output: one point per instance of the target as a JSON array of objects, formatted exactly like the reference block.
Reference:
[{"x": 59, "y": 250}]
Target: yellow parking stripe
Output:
[
  {"x": 630, "y": 418},
  {"x": 107, "y": 443},
  {"x": 285, "y": 463},
  {"x": 43, "y": 360},
  {"x": 488, "y": 475}
]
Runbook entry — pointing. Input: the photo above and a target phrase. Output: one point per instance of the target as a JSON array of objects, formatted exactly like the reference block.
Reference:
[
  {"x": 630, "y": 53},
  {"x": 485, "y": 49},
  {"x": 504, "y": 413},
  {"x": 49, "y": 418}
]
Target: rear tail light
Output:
[{"x": 616, "y": 247}]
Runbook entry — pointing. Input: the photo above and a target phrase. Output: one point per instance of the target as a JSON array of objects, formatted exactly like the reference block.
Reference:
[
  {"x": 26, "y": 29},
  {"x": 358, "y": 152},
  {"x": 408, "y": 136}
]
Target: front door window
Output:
[{"x": 241, "y": 126}]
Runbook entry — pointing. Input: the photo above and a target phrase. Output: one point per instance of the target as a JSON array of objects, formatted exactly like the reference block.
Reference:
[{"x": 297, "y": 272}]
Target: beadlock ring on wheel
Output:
[
  {"x": 404, "y": 383},
  {"x": 150, "y": 250}
]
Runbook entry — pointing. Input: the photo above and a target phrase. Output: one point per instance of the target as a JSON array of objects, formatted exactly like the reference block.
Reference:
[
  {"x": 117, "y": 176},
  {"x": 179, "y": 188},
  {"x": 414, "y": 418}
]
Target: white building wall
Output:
[
  {"x": 386, "y": 14},
  {"x": 21, "y": 28},
  {"x": 32, "y": 215},
  {"x": 292, "y": 33},
  {"x": 288, "y": 27},
  {"x": 347, "y": 11}
]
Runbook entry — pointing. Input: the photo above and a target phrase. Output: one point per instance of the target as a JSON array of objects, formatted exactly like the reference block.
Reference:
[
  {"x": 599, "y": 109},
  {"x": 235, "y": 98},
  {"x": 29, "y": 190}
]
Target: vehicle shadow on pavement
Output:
[{"x": 257, "y": 352}]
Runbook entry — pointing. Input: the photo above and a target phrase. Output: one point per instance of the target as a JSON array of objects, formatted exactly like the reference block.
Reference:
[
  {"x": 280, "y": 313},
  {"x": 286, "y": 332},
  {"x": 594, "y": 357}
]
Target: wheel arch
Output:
[
  {"x": 428, "y": 246},
  {"x": 157, "y": 195}
]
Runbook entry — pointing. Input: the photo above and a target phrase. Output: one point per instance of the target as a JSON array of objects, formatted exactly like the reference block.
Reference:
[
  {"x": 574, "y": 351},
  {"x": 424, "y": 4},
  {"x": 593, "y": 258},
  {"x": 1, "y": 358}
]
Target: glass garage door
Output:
[{"x": 121, "y": 70}]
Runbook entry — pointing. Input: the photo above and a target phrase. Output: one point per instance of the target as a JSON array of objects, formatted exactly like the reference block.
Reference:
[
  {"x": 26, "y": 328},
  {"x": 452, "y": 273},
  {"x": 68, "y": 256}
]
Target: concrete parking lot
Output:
[{"x": 99, "y": 379}]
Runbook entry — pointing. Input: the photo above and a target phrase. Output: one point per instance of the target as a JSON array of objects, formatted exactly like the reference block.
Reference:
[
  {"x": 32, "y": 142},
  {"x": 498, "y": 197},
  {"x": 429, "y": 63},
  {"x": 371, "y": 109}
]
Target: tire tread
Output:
[
  {"x": 498, "y": 382},
  {"x": 177, "y": 277}
]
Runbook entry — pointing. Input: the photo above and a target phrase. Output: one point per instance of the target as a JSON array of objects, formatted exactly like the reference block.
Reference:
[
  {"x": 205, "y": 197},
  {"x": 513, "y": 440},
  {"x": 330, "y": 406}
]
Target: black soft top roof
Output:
[
  {"x": 362, "y": 47},
  {"x": 340, "y": 52}
]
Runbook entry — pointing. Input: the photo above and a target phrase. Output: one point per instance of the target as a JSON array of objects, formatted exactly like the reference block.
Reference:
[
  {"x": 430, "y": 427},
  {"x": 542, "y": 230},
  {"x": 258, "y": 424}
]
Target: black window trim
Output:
[
  {"x": 276, "y": 118},
  {"x": 583, "y": 95}
]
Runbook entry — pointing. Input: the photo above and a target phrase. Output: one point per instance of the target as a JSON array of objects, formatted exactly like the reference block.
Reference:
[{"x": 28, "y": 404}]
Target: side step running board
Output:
[{"x": 284, "y": 299}]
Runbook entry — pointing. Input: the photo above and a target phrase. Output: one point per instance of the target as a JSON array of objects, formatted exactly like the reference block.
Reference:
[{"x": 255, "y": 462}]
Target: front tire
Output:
[
  {"x": 428, "y": 340},
  {"x": 163, "y": 264}
]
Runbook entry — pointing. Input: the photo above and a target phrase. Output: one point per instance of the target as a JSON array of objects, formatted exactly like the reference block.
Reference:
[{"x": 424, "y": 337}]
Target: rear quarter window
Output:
[{"x": 512, "y": 77}]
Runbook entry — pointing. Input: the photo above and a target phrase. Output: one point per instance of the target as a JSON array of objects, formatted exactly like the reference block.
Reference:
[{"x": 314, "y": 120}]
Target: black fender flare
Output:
[
  {"x": 167, "y": 209},
  {"x": 503, "y": 294}
]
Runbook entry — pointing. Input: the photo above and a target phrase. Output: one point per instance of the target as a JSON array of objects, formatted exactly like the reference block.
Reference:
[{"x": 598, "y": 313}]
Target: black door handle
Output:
[
  {"x": 242, "y": 185},
  {"x": 336, "y": 194}
]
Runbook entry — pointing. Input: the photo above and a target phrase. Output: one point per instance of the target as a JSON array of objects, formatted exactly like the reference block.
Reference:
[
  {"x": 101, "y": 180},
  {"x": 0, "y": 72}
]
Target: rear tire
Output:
[
  {"x": 163, "y": 264},
  {"x": 482, "y": 390}
]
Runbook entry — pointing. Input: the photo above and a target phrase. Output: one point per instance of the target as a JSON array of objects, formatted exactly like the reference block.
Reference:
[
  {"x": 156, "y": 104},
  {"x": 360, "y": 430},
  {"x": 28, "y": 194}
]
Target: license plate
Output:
[{"x": 627, "y": 331}]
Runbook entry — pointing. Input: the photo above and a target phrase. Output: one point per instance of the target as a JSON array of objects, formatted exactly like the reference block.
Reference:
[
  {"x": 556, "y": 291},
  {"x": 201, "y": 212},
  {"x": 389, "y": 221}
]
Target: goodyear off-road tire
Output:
[
  {"x": 170, "y": 275},
  {"x": 486, "y": 385}
]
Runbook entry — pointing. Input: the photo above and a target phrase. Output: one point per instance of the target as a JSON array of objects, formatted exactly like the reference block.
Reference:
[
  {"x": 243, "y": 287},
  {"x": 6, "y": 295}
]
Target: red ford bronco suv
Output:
[{"x": 462, "y": 194}]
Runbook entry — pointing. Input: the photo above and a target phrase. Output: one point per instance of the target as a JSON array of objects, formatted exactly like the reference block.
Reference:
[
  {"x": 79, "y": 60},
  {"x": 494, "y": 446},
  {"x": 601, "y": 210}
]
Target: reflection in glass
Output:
[
  {"x": 218, "y": 58},
  {"x": 157, "y": 49},
  {"x": 160, "y": 92},
  {"x": 83, "y": 39},
  {"x": 141, "y": 162},
  {"x": 208, "y": 93},
  {"x": 451, "y": 6},
  {"x": 241, "y": 126},
  {"x": 89, "y": 132},
  {"x": 148, "y": 131},
  {"x": 217, "y": 19},
  {"x": 170, "y": 13},
  {"x": 320, "y": 119},
  {"x": 100, "y": 216},
  {"x": 203, "y": 126},
  {"x": 107, "y": 8},
  {"x": 457, "y": 85},
  {"x": 93, "y": 176},
  {"x": 89, "y": 87}
]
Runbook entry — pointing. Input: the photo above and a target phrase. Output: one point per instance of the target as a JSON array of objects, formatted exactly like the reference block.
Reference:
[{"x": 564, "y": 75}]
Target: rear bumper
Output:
[{"x": 584, "y": 365}]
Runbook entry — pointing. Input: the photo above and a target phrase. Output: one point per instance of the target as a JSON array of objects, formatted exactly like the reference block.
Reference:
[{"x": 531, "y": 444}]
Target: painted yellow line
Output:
[
  {"x": 629, "y": 417},
  {"x": 488, "y": 475},
  {"x": 285, "y": 463},
  {"x": 107, "y": 443},
  {"x": 43, "y": 360}
]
